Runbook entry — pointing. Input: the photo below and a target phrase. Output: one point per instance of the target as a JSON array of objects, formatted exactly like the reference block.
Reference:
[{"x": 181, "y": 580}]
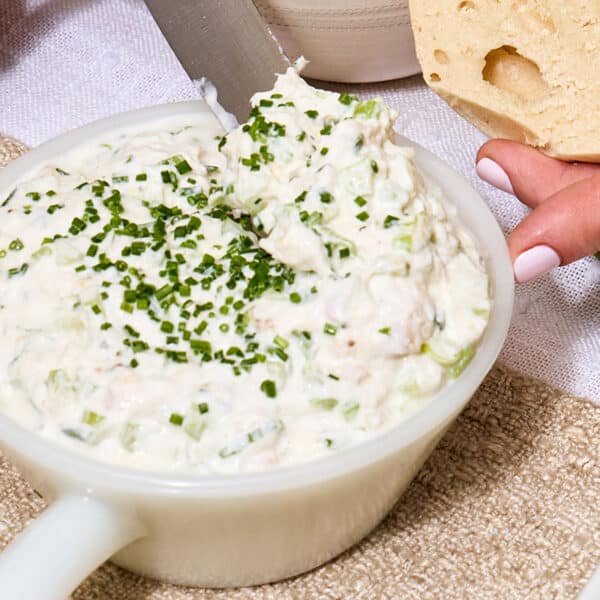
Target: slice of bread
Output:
[{"x": 527, "y": 70}]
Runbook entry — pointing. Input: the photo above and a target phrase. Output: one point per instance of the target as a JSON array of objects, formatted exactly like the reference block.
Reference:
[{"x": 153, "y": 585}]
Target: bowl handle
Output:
[{"x": 62, "y": 546}]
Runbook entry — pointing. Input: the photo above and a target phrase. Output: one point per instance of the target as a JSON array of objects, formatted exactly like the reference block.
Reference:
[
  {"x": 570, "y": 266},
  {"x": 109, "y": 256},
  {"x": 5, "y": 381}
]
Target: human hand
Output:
[{"x": 564, "y": 224}]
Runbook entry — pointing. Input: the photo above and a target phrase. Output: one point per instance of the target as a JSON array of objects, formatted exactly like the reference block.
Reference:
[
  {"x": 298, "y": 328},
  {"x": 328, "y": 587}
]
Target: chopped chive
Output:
[
  {"x": 389, "y": 221},
  {"x": 182, "y": 166},
  {"x": 125, "y": 306},
  {"x": 16, "y": 245},
  {"x": 269, "y": 388},
  {"x": 362, "y": 216},
  {"x": 167, "y": 327},
  {"x": 330, "y": 329},
  {"x": 18, "y": 270},
  {"x": 295, "y": 297},
  {"x": 346, "y": 99},
  {"x": 326, "y": 197},
  {"x": 176, "y": 419},
  {"x": 53, "y": 208},
  {"x": 280, "y": 342}
]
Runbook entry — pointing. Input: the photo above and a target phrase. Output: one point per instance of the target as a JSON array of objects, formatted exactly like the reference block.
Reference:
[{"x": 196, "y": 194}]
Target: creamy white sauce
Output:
[{"x": 256, "y": 300}]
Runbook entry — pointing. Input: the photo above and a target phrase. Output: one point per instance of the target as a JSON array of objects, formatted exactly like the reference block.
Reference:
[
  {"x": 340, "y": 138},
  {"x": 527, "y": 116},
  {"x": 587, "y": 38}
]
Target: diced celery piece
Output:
[
  {"x": 92, "y": 418},
  {"x": 350, "y": 410},
  {"x": 464, "y": 358},
  {"x": 367, "y": 109},
  {"x": 324, "y": 403},
  {"x": 128, "y": 436},
  {"x": 194, "y": 428},
  {"x": 236, "y": 446}
]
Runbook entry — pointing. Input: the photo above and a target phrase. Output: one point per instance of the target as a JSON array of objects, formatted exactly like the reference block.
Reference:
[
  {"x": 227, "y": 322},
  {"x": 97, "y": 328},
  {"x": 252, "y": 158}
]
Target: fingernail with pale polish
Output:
[
  {"x": 535, "y": 262},
  {"x": 494, "y": 174}
]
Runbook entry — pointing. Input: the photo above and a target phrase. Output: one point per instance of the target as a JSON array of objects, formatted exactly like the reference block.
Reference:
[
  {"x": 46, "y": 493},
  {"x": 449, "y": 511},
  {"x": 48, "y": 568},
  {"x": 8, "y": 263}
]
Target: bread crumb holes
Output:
[{"x": 441, "y": 57}]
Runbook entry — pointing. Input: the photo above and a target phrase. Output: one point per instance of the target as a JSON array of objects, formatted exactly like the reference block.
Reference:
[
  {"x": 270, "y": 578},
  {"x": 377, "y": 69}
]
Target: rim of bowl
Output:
[{"x": 92, "y": 474}]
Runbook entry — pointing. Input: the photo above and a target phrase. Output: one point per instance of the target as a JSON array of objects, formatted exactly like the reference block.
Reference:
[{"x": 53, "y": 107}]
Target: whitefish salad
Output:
[{"x": 179, "y": 298}]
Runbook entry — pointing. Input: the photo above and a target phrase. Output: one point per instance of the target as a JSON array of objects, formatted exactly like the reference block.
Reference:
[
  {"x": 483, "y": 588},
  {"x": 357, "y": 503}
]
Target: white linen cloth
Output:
[{"x": 64, "y": 63}]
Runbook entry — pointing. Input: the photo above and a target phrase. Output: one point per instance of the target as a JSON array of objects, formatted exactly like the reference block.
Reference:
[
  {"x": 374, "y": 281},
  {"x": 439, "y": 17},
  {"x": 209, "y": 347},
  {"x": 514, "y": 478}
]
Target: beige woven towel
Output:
[{"x": 507, "y": 507}]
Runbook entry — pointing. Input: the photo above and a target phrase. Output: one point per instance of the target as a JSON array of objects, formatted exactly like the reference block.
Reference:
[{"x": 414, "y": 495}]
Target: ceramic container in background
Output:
[{"x": 345, "y": 40}]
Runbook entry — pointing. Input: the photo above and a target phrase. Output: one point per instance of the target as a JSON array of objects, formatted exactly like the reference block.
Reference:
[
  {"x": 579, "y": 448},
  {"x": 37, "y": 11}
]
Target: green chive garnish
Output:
[
  {"x": 330, "y": 329},
  {"x": 176, "y": 419},
  {"x": 269, "y": 388}
]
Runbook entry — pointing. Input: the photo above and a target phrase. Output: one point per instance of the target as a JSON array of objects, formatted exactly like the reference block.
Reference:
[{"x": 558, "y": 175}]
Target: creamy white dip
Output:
[{"x": 176, "y": 298}]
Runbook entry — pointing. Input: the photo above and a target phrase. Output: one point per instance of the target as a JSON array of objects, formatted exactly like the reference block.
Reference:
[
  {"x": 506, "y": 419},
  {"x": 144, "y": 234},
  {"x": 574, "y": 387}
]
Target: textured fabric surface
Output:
[
  {"x": 505, "y": 508},
  {"x": 67, "y": 62}
]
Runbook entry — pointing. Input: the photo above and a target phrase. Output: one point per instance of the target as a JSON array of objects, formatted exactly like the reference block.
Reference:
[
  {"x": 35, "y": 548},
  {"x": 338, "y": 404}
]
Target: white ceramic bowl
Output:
[
  {"x": 345, "y": 40},
  {"x": 229, "y": 530}
]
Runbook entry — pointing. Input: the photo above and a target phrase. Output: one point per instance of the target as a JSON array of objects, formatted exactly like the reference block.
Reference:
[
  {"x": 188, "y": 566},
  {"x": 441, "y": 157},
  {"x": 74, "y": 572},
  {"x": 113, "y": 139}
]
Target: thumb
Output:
[{"x": 560, "y": 230}]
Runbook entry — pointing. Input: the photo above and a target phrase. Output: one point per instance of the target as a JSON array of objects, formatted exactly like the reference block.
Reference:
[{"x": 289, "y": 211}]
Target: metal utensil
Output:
[{"x": 225, "y": 41}]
